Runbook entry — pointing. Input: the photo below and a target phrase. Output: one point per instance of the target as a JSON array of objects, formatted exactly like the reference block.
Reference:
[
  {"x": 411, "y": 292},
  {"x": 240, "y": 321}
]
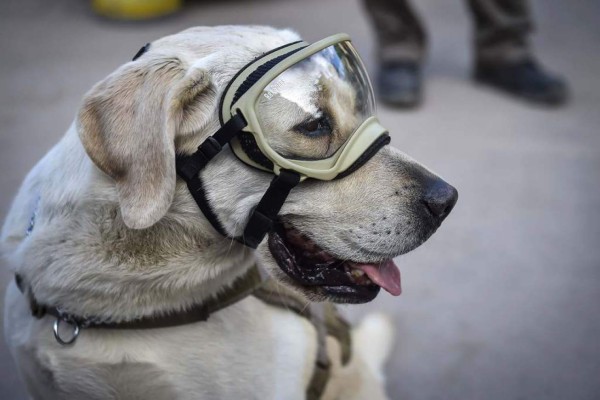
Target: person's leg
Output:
[
  {"x": 503, "y": 56},
  {"x": 400, "y": 51},
  {"x": 502, "y": 29},
  {"x": 400, "y": 36}
]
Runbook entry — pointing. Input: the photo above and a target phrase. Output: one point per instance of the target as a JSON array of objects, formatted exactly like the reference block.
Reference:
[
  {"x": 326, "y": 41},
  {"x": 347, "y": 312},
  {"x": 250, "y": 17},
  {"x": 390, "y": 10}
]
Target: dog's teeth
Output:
[{"x": 357, "y": 273}]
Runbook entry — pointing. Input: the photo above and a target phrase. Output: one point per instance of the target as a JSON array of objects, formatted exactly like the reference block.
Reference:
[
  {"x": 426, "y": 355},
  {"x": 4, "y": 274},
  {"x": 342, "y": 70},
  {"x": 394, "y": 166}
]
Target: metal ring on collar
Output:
[{"x": 56, "y": 330}]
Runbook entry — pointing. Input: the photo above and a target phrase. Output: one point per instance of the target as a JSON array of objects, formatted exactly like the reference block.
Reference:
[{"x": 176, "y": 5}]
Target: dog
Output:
[{"x": 103, "y": 227}]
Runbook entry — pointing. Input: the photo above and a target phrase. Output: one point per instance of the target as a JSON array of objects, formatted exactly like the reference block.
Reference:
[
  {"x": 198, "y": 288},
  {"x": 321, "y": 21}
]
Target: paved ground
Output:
[{"x": 503, "y": 302}]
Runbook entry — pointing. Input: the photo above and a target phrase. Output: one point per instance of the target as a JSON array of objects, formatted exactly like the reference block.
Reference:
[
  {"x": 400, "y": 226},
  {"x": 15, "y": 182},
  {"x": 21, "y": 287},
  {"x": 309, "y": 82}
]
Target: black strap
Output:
[
  {"x": 199, "y": 194},
  {"x": 260, "y": 71},
  {"x": 240, "y": 289},
  {"x": 188, "y": 167},
  {"x": 244, "y": 68},
  {"x": 265, "y": 213},
  {"x": 141, "y": 51}
]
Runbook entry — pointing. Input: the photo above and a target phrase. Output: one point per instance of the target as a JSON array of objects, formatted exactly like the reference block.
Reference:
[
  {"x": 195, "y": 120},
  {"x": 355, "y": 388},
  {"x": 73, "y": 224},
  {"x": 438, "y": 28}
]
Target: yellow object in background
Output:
[{"x": 135, "y": 9}]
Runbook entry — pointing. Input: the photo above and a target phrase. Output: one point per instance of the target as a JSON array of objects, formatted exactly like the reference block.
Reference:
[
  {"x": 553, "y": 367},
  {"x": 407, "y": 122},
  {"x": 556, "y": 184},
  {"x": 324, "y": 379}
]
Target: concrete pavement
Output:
[{"x": 503, "y": 302}]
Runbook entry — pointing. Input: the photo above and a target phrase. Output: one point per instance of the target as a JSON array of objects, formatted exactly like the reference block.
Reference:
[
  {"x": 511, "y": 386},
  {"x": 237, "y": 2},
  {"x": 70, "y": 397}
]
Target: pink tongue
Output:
[{"x": 386, "y": 275}]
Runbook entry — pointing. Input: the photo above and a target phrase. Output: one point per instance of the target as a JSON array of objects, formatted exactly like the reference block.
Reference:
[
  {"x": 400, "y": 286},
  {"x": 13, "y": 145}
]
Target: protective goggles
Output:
[
  {"x": 312, "y": 111},
  {"x": 299, "y": 111}
]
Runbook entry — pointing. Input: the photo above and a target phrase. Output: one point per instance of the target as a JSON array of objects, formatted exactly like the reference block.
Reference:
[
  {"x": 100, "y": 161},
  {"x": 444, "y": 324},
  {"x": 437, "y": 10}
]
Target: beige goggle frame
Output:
[{"x": 327, "y": 169}]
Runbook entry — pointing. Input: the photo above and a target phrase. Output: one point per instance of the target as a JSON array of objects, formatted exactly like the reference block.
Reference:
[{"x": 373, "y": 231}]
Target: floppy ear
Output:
[{"x": 127, "y": 125}]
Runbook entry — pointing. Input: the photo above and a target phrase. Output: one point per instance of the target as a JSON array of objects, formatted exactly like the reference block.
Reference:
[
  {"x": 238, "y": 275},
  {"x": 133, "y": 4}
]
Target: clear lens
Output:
[{"x": 310, "y": 110}]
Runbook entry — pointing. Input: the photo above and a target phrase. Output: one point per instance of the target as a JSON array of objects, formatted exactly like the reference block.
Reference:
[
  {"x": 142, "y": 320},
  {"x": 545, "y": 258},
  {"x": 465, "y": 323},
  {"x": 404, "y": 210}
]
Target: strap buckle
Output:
[
  {"x": 188, "y": 167},
  {"x": 209, "y": 148}
]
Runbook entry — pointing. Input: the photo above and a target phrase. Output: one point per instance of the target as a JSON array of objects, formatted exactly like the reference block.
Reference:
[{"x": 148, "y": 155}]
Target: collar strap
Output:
[{"x": 240, "y": 289}]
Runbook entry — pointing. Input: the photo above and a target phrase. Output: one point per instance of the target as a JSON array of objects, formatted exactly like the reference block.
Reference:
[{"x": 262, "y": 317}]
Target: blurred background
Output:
[{"x": 504, "y": 301}]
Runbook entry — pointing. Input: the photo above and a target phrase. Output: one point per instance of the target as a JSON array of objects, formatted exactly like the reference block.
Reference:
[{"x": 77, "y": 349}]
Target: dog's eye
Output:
[{"x": 314, "y": 127}]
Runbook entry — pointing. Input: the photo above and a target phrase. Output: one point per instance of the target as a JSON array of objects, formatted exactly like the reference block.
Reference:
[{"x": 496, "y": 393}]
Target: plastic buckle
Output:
[
  {"x": 187, "y": 167},
  {"x": 210, "y": 148}
]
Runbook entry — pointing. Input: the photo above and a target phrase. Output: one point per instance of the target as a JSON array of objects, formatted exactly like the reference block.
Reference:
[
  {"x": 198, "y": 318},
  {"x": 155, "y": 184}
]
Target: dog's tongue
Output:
[{"x": 386, "y": 275}]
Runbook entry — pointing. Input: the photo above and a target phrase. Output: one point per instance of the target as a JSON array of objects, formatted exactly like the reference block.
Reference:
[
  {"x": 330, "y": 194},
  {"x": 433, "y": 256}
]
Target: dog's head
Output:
[{"x": 334, "y": 240}]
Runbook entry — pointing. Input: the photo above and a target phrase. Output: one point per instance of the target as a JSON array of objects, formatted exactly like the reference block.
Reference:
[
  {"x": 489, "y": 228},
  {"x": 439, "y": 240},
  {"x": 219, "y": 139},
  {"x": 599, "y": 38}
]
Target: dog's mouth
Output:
[{"x": 311, "y": 267}]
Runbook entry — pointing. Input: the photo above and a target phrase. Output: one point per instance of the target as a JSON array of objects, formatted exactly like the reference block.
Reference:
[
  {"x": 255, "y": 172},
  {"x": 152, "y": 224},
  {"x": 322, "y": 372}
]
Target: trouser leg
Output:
[
  {"x": 502, "y": 29},
  {"x": 400, "y": 35}
]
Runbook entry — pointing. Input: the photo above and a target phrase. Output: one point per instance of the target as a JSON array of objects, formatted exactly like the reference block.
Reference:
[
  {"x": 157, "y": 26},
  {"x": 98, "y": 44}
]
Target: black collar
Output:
[{"x": 240, "y": 289}]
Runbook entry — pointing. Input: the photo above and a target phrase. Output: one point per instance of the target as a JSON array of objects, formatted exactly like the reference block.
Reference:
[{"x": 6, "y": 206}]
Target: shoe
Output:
[
  {"x": 399, "y": 84},
  {"x": 525, "y": 79}
]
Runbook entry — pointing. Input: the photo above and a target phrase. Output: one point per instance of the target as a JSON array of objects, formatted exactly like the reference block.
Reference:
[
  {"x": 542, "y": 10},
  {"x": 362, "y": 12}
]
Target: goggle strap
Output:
[
  {"x": 260, "y": 71},
  {"x": 245, "y": 67},
  {"x": 264, "y": 215},
  {"x": 189, "y": 166},
  {"x": 197, "y": 190}
]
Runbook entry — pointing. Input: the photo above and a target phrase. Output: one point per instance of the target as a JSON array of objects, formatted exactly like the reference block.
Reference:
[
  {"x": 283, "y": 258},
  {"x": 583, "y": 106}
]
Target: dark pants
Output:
[{"x": 501, "y": 30}]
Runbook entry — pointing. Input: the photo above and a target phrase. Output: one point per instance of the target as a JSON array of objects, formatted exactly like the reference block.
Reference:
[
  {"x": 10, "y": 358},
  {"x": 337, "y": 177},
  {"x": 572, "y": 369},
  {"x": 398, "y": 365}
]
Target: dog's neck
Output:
[{"x": 81, "y": 257}]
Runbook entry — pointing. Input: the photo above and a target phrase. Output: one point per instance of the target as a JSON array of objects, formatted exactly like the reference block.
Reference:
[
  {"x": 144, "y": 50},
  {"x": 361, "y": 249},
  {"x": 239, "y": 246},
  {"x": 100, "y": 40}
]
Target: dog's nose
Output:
[{"x": 440, "y": 198}]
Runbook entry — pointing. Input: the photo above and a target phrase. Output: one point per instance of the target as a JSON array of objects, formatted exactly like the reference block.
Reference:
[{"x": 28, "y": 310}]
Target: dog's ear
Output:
[{"x": 128, "y": 123}]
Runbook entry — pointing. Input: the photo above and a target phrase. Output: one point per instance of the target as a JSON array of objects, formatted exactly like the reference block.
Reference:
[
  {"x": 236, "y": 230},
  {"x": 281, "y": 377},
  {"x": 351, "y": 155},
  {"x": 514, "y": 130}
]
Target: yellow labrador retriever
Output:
[{"x": 103, "y": 227}]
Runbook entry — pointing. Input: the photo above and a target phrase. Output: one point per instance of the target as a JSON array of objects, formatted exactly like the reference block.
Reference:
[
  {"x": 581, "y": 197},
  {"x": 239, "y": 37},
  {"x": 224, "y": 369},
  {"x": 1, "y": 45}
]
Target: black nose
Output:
[{"x": 440, "y": 198}]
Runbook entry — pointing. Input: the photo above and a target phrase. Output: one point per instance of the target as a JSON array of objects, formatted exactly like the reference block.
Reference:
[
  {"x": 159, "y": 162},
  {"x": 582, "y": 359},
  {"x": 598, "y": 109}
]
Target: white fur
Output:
[{"x": 116, "y": 236}]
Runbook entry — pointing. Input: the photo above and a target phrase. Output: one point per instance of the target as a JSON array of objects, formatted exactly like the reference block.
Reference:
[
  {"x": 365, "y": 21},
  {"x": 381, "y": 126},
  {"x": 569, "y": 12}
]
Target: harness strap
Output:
[
  {"x": 324, "y": 317},
  {"x": 322, "y": 370},
  {"x": 241, "y": 288},
  {"x": 327, "y": 322}
]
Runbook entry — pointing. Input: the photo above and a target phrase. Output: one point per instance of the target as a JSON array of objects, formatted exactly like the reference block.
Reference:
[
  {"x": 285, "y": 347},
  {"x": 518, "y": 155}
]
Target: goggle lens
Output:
[{"x": 309, "y": 111}]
